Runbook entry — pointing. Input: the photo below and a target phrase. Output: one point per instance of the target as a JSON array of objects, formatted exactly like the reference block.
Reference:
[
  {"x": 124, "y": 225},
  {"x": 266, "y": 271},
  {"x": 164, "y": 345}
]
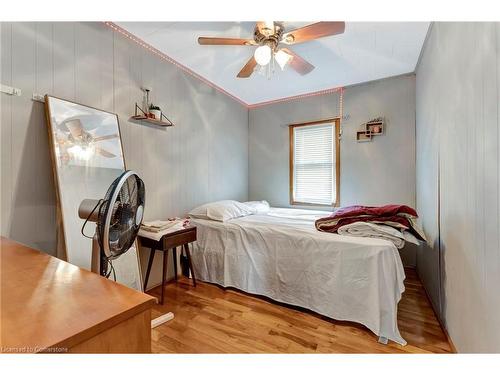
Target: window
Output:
[{"x": 314, "y": 163}]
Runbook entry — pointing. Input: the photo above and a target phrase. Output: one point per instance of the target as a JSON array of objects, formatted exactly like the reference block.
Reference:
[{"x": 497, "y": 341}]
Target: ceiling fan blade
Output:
[
  {"x": 104, "y": 153},
  {"x": 297, "y": 63},
  {"x": 105, "y": 137},
  {"x": 209, "y": 41},
  {"x": 313, "y": 31},
  {"x": 248, "y": 68}
]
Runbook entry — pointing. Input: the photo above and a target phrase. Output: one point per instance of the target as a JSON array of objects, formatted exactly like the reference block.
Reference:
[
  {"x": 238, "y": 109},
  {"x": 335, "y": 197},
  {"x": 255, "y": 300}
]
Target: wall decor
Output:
[
  {"x": 151, "y": 113},
  {"x": 375, "y": 127},
  {"x": 363, "y": 136},
  {"x": 372, "y": 128},
  {"x": 87, "y": 156}
]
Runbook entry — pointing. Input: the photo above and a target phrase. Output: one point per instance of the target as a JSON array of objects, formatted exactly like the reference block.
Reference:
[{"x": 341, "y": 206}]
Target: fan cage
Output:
[{"x": 122, "y": 211}]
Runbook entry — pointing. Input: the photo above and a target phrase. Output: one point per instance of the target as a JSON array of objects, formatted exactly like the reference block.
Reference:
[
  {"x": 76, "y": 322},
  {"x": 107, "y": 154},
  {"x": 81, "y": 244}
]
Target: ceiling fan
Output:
[
  {"x": 83, "y": 142},
  {"x": 269, "y": 36}
]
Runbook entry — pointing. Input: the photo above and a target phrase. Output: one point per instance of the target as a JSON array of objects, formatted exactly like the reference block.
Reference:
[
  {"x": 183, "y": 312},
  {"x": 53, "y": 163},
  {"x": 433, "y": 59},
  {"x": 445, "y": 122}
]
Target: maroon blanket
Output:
[
  {"x": 388, "y": 210},
  {"x": 398, "y": 216}
]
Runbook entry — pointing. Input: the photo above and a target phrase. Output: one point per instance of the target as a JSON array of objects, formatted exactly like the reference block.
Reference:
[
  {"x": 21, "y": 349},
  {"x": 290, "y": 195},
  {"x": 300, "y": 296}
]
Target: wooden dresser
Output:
[{"x": 48, "y": 305}]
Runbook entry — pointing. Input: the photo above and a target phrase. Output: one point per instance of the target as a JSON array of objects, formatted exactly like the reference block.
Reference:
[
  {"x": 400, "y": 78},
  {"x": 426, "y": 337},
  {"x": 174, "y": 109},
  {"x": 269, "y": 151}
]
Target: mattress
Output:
[{"x": 282, "y": 256}]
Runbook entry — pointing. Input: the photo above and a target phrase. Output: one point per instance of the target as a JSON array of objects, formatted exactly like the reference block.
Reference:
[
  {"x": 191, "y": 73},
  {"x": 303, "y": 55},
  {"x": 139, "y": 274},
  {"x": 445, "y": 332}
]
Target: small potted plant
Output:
[{"x": 155, "y": 112}]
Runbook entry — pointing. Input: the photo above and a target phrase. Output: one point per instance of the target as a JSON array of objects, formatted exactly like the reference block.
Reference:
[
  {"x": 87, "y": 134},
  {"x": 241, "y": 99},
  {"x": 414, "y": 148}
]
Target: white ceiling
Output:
[{"x": 366, "y": 51}]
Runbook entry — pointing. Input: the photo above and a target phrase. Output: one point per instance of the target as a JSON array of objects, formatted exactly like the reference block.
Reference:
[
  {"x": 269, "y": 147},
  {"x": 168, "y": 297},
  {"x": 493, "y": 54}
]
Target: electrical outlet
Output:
[{"x": 38, "y": 98}]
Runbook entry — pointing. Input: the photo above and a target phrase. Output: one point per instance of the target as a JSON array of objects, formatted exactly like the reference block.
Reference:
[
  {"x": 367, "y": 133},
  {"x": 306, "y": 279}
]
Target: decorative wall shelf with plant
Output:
[
  {"x": 152, "y": 114},
  {"x": 372, "y": 128}
]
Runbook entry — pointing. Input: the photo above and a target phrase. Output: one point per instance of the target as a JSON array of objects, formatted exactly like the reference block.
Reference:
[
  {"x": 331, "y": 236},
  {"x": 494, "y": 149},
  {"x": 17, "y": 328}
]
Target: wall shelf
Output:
[
  {"x": 372, "y": 128},
  {"x": 149, "y": 120},
  {"x": 141, "y": 116}
]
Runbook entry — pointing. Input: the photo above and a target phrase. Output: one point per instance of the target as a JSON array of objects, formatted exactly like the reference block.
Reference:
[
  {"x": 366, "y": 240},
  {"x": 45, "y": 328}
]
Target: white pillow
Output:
[
  {"x": 221, "y": 210},
  {"x": 258, "y": 207}
]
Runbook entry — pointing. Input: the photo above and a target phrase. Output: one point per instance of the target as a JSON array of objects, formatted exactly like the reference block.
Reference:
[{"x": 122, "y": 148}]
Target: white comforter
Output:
[{"x": 282, "y": 256}]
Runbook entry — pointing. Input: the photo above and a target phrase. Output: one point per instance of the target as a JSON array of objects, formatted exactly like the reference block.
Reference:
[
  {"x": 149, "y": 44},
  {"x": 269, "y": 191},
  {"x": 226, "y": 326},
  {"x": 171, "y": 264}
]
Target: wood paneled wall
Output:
[
  {"x": 203, "y": 158},
  {"x": 458, "y": 186}
]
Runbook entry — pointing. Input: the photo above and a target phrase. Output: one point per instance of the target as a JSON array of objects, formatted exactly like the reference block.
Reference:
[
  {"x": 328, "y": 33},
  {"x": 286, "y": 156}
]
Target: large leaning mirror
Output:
[{"x": 87, "y": 156}]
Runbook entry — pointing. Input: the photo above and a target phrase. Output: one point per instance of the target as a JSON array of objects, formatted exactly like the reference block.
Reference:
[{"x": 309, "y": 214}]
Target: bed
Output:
[{"x": 280, "y": 255}]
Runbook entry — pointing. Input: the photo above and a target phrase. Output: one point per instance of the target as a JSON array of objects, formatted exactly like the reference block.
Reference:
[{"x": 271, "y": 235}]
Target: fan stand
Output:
[
  {"x": 96, "y": 252},
  {"x": 98, "y": 261}
]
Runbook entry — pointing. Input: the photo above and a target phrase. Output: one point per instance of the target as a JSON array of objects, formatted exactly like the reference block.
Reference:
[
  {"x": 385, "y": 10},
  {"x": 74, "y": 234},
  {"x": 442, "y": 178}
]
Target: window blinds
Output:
[{"x": 314, "y": 164}]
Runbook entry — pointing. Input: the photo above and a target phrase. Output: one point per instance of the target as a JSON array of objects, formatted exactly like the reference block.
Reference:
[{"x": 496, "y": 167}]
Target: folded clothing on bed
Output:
[
  {"x": 400, "y": 217},
  {"x": 365, "y": 229}
]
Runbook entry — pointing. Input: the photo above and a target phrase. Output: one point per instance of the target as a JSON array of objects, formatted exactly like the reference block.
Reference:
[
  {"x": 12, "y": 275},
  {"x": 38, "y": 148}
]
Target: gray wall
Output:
[
  {"x": 203, "y": 158},
  {"x": 372, "y": 173},
  {"x": 458, "y": 142}
]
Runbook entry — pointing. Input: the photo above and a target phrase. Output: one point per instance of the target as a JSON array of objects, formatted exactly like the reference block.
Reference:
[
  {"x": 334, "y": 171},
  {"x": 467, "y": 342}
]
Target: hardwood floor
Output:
[{"x": 209, "y": 319}]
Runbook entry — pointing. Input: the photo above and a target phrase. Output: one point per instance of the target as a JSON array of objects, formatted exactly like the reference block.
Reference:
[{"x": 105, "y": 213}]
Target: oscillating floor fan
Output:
[{"x": 118, "y": 217}]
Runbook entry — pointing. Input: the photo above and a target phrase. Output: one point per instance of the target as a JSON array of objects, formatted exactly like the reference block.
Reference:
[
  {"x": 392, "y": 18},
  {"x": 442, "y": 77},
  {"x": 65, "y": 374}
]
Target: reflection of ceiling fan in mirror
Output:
[
  {"x": 84, "y": 142},
  {"x": 269, "y": 36}
]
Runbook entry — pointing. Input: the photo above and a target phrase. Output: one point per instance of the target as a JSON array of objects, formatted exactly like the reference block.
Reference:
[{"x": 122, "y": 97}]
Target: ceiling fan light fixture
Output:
[
  {"x": 268, "y": 36},
  {"x": 81, "y": 153},
  {"x": 282, "y": 58},
  {"x": 263, "y": 55}
]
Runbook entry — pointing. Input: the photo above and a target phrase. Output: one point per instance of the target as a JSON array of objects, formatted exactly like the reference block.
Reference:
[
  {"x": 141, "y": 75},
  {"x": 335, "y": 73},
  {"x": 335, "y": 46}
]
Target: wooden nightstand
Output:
[{"x": 169, "y": 241}]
